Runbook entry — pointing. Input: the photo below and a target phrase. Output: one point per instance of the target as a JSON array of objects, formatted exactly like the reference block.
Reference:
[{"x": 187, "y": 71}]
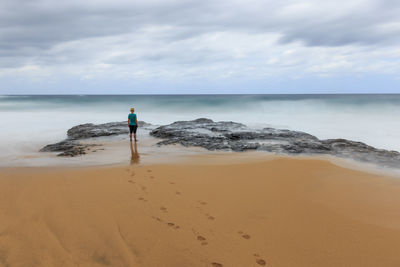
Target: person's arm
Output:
[
  {"x": 137, "y": 124},
  {"x": 128, "y": 120}
]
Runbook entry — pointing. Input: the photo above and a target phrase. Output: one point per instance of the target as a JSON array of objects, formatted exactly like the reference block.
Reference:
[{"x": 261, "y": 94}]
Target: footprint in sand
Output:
[
  {"x": 202, "y": 202},
  {"x": 244, "y": 235},
  {"x": 170, "y": 224},
  {"x": 259, "y": 261},
  {"x": 157, "y": 218},
  {"x": 151, "y": 177},
  {"x": 144, "y": 188},
  {"x": 171, "y": 183},
  {"x": 130, "y": 181},
  {"x": 210, "y": 217},
  {"x": 148, "y": 170},
  {"x": 133, "y": 174},
  {"x": 164, "y": 209},
  {"x": 142, "y": 199},
  {"x": 216, "y": 264},
  {"x": 202, "y": 240},
  {"x": 178, "y": 193}
]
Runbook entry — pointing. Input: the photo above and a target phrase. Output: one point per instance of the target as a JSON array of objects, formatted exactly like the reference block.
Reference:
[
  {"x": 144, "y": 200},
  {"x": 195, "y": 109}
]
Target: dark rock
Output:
[
  {"x": 233, "y": 136},
  {"x": 71, "y": 147},
  {"x": 90, "y": 130},
  {"x": 229, "y": 136}
]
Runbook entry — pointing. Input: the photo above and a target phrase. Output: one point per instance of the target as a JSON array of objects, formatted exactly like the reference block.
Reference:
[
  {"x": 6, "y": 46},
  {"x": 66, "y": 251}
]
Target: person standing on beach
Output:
[{"x": 133, "y": 124}]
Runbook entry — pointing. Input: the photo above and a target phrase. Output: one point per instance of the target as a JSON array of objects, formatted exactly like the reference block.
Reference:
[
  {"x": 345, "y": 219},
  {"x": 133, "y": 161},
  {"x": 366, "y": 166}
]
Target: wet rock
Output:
[
  {"x": 71, "y": 147},
  {"x": 90, "y": 130},
  {"x": 68, "y": 148},
  {"x": 363, "y": 152},
  {"x": 233, "y": 136},
  {"x": 228, "y": 136}
]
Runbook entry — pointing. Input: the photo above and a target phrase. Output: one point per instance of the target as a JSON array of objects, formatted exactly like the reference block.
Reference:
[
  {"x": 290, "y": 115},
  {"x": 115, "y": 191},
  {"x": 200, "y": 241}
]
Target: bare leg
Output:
[
  {"x": 134, "y": 135},
  {"x": 130, "y": 136}
]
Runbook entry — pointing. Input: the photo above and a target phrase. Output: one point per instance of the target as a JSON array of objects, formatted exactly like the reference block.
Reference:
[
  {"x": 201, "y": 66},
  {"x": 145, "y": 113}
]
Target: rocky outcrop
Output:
[
  {"x": 71, "y": 147},
  {"x": 90, "y": 130},
  {"x": 68, "y": 148},
  {"x": 229, "y": 136},
  {"x": 233, "y": 136}
]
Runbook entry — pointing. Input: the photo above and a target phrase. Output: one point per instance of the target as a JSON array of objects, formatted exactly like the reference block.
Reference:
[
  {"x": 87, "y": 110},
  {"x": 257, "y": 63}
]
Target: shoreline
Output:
[
  {"x": 177, "y": 154},
  {"x": 105, "y": 144},
  {"x": 221, "y": 209}
]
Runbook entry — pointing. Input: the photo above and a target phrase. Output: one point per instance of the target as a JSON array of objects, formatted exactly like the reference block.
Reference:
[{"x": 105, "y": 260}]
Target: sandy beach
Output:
[
  {"x": 208, "y": 211},
  {"x": 200, "y": 133}
]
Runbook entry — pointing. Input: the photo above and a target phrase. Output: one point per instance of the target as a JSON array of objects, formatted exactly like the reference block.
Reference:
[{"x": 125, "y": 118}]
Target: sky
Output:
[{"x": 195, "y": 47}]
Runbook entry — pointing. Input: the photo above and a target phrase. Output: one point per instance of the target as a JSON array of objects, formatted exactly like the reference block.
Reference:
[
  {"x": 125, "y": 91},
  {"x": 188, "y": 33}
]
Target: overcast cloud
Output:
[{"x": 142, "y": 43}]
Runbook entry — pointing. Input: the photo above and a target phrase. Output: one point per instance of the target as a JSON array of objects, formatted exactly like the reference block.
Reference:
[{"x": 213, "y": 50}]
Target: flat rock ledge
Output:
[
  {"x": 72, "y": 146},
  {"x": 232, "y": 136}
]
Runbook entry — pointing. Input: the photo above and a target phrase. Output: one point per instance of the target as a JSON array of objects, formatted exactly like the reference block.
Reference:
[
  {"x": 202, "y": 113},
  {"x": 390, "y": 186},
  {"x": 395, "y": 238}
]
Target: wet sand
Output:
[{"x": 206, "y": 211}]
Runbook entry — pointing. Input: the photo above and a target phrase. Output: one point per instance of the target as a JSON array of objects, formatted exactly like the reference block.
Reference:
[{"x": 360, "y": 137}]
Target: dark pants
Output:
[{"x": 132, "y": 128}]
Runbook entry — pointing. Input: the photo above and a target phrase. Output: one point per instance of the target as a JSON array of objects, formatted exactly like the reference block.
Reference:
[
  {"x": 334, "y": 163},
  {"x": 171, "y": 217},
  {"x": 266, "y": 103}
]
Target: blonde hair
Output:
[{"x": 132, "y": 109}]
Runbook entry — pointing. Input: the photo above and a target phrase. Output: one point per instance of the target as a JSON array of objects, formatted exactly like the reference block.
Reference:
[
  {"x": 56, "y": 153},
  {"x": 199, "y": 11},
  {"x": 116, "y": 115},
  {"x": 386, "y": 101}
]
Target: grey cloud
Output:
[
  {"x": 30, "y": 29},
  {"x": 42, "y": 21},
  {"x": 336, "y": 34},
  {"x": 197, "y": 56},
  {"x": 361, "y": 27}
]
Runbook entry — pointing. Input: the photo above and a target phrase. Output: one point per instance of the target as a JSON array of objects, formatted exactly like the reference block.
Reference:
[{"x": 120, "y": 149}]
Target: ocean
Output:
[{"x": 29, "y": 122}]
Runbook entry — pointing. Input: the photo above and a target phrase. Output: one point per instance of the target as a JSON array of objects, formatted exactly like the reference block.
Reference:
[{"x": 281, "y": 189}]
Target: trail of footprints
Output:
[
  {"x": 201, "y": 239},
  {"x": 208, "y": 216}
]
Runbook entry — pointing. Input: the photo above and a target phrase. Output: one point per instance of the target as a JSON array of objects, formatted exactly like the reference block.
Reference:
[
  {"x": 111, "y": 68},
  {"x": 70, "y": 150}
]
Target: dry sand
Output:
[{"x": 279, "y": 212}]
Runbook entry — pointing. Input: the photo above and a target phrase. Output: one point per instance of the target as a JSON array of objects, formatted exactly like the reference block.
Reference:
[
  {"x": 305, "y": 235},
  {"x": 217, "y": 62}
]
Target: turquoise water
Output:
[
  {"x": 28, "y": 122},
  {"x": 192, "y": 102}
]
